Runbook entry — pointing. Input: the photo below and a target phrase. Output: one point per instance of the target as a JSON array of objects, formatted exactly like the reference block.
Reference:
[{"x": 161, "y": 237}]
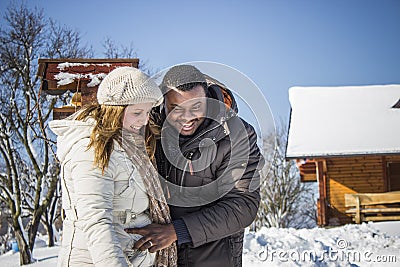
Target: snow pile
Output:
[
  {"x": 65, "y": 78},
  {"x": 349, "y": 245},
  {"x": 63, "y": 66},
  {"x": 42, "y": 255},
  {"x": 373, "y": 244}
]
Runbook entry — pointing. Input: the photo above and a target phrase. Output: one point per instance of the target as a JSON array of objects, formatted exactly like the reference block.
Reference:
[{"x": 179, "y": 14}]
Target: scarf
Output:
[{"x": 134, "y": 146}]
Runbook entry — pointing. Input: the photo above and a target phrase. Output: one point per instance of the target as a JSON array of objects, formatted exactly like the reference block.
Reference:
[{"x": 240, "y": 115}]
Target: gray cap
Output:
[{"x": 180, "y": 75}]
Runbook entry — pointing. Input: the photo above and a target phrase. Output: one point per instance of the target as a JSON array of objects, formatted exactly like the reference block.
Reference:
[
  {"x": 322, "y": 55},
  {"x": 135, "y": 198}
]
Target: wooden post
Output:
[
  {"x": 321, "y": 205},
  {"x": 358, "y": 214}
]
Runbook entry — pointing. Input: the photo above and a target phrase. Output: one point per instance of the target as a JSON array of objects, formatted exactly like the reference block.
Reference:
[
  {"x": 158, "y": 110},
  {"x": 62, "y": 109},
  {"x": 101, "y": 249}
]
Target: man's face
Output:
[{"x": 186, "y": 110}]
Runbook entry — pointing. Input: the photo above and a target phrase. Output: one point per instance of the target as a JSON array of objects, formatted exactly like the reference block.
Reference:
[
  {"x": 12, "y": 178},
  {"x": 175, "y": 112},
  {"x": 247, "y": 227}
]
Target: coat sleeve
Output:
[
  {"x": 238, "y": 175},
  {"x": 94, "y": 194}
]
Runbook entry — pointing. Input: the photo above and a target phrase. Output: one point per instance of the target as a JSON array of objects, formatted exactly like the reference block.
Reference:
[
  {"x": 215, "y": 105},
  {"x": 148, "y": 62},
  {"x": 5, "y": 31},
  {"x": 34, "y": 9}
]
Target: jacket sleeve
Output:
[
  {"x": 238, "y": 175},
  {"x": 94, "y": 194}
]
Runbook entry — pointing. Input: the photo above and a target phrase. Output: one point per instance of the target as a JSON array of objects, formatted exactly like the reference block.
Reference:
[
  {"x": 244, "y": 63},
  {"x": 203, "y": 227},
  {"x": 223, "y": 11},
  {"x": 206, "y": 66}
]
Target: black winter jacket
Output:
[{"x": 212, "y": 183}]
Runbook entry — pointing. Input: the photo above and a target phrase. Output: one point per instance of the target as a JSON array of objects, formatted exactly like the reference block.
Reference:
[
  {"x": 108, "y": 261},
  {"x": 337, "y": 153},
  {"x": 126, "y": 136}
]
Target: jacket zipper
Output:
[
  {"x": 190, "y": 155},
  {"x": 190, "y": 160},
  {"x": 186, "y": 255},
  {"x": 188, "y": 163}
]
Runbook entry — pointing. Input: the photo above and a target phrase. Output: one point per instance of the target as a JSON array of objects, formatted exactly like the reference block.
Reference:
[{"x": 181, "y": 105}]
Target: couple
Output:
[{"x": 192, "y": 210}]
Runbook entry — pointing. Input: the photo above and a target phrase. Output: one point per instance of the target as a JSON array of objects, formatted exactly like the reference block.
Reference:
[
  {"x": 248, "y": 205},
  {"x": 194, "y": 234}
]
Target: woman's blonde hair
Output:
[{"x": 108, "y": 127}]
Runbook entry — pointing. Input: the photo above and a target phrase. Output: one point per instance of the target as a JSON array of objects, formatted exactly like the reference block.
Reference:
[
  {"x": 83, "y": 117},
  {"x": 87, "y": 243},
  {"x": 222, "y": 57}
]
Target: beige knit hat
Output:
[{"x": 127, "y": 86}]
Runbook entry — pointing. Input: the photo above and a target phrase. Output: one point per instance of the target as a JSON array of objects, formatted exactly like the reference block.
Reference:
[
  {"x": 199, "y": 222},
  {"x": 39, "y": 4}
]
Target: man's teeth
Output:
[{"x": 188, "y": 125}]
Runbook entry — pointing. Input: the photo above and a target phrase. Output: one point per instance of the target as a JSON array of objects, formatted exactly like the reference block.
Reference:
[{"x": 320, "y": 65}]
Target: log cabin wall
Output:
[{"x": 348, "y": 175}]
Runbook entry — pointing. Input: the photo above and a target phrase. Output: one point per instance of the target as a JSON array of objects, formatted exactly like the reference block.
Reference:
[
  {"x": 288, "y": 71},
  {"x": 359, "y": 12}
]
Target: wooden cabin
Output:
[
  {"x": 79, "y": 76},
  {"x": 347, "y": 139}
]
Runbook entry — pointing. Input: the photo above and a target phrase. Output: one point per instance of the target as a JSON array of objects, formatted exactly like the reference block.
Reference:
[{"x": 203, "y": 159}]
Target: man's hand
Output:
[{"x": 155, "y": 236}]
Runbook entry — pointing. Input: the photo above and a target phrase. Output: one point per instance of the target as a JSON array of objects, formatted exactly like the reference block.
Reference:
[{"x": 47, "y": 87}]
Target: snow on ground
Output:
[
  {"x": 45, "y": 257},
  {"x": 373, "y": 244}
]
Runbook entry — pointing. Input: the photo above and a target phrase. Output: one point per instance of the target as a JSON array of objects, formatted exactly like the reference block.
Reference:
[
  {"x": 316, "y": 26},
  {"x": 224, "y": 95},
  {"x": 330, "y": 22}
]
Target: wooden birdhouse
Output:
[{"x": 78, "y": 76}]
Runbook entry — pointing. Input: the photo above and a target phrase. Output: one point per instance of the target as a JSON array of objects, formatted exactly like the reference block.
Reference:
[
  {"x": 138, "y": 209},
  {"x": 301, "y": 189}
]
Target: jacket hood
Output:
[
  {"x": 220, "y": 91},
  {"x": 222, "y": 95},
  {"x": 69, "y": 131}
]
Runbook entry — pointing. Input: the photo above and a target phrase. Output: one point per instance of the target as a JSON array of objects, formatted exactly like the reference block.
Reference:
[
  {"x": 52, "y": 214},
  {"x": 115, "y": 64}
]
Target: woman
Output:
[{"x": 108, "y": 181}]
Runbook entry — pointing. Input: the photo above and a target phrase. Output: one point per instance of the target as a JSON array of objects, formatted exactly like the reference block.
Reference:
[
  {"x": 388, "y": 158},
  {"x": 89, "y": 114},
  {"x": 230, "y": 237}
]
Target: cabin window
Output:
[{"x": 393, "y": 172}]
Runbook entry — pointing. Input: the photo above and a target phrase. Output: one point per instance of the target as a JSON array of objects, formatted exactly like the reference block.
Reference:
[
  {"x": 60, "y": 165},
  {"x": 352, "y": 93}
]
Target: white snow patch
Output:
[
  {"x": 65, "y": 78},
  {"x": 44, "y": 257},
  {"x": 96, "y": 79},
  {"x": 63, "y": 66},
  {"x": 370, "y": 244},
  {"x": 50, "y": 98}
]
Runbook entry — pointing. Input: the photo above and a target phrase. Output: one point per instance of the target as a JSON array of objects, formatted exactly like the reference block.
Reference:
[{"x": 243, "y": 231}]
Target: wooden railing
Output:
[{"x": 373, "y": 206}]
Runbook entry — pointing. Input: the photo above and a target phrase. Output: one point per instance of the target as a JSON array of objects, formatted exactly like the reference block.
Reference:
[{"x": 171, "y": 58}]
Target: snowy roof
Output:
[{"x": 349, "y": 120}]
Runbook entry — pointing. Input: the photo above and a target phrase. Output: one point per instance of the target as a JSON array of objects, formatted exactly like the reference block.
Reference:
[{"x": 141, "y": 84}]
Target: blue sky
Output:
[{"x": 277, "y": 44}]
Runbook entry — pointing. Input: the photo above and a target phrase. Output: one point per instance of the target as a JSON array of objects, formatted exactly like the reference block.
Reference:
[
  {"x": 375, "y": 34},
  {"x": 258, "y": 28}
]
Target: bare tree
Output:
[
  {"x": 29, "y": 178},
  {"x": 284, "y": 199},
  {"x": 62, "y": 42},
  {"x": 5, "y": 229},
  {"x": 114, "y": 50},
  {"x": 53, "y": 211}
]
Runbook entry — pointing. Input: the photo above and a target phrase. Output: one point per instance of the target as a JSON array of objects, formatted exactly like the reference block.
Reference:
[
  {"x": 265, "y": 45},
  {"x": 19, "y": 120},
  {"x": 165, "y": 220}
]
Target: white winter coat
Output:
[{"x": 98, "y": 207}]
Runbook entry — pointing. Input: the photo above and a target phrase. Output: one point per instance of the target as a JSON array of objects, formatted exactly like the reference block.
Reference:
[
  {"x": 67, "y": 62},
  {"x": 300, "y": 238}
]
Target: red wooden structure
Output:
[{"x": 80, "y": 76}]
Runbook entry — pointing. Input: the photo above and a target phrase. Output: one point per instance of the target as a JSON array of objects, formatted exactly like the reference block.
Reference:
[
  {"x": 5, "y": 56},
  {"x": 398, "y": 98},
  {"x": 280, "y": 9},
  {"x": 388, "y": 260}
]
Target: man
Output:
[{"x": 210, "y": 163}]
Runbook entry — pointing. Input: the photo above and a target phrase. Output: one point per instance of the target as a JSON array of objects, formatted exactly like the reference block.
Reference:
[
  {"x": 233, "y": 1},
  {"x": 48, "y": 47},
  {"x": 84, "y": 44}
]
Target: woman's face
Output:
[{"x": 136, "y": 116}]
